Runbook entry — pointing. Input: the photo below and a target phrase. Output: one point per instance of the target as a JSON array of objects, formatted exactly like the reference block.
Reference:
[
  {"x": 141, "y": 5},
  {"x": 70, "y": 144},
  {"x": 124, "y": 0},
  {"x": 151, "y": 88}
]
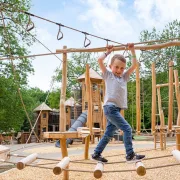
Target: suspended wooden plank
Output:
[
  {"x": 140, "y": 169},
  {"x": 176, "y": 154},
  {"x": 27, "y": 160},
  {"x": 98, "y": 170},
  {"x": 61, "y": 165}
]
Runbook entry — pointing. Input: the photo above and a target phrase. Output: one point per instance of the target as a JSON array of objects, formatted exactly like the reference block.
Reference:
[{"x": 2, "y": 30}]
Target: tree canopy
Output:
[{"x": 14, "y": 41}]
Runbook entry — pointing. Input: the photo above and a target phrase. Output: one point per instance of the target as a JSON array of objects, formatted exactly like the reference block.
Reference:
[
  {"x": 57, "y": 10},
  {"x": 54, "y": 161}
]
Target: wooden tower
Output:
[
  {"x": 97, "y": 91},
  {"x": 42, "y": 125}
]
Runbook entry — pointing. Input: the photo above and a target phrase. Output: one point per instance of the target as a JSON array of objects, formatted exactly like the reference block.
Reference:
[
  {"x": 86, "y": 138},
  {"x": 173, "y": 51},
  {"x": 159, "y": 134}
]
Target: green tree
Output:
[
  {"x": 54, "y": 98},
  {"x": 161, "y": 57},
  {"x": 76, "y": 67},
  {"x": 14, "y": 42}
]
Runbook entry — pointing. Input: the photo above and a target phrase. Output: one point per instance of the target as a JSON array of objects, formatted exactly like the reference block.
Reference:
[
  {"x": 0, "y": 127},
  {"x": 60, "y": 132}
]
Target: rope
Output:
[
  {"x": 59, "y": 24},
  {"x": 107, "y": 40},
  {"x": 91, "y": 171},
  {"x": 141, "y": 151},
  {"x": 14, "y": 74}
]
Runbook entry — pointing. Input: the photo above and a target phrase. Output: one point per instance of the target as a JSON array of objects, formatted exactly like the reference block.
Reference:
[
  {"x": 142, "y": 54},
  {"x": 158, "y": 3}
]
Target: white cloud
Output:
[
  {"x": 157, "y": 12},
  {"x": 107, "y": 19},
  {"x": 44, "y": 65}
]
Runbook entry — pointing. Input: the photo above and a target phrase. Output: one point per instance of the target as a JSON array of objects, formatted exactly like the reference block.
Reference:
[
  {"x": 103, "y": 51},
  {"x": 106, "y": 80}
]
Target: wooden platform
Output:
[
  {"x": 81, "y": 133},
  {"x": 59, "y": 135}
]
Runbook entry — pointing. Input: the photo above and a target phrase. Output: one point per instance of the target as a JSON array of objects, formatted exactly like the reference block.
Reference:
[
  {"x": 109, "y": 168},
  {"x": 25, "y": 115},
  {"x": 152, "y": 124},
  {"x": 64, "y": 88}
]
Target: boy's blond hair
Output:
[{"x": 119, "y": 57}]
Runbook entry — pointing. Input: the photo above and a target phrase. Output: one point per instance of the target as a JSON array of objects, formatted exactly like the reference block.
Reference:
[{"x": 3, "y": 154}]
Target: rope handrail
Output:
[
  {"x": 80, "y": 162},
  {"x": 92, "y": 171}
]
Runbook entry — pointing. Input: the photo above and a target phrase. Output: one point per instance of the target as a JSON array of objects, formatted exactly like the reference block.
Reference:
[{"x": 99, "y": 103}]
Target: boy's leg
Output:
[
  {"x": 113, "y": 114},
  {"x": 110, "y": 128},
  {"x": 108, "y": 135}
]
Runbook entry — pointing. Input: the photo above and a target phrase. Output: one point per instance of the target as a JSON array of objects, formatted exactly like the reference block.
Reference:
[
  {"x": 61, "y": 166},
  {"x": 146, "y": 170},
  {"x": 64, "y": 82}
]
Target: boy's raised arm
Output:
[
  {"x": 102, "y": 57},
  {"x": 134, "y": 60}
]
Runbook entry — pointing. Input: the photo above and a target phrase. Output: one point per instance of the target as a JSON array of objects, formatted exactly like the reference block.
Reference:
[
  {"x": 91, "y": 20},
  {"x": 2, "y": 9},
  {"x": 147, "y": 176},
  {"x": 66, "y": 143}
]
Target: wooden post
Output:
[
  {"x": 98, "y": 170},
  {"x": 64, "y": 154},
  {"x": 164, "y": 136},
  {"x": 104, "y": 118},
  {"x": 161, "y": 139},
  {"x": 62, "y": 117},
  {"x": 86, "y": 151},
  {"x": 89, "y": 98},
  {"x": 122, "y": 113},
  {"x": 178, "y": 104},
  {"x": 27, "y": 160},
  {"x": 155, "y": 140},
  {"x": 61, "y": 165},
  {"x": 138, "y": 103},
  {"x": 161, "y": 114},
  {"x": 170, "y": 105},
  {"x": 177, "y": 95},
  {"x": 178, "y": 139},
  {"x": 140, "y": 169},
  {"x": 153, "y": 114}
]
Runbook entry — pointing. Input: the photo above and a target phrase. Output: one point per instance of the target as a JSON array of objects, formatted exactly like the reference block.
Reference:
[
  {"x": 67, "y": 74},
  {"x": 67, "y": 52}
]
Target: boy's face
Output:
[{"x": 117, "y": 67}]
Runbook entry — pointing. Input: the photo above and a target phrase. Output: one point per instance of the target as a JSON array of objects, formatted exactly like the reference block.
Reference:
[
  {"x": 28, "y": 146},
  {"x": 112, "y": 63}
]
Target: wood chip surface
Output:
[{"x": 166, "y": 173}]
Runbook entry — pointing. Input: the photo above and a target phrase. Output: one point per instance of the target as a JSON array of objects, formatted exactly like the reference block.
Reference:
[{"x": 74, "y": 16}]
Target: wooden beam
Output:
[
  {"x": 62, "y": 117},
  {"x": 59, "y": 135},
  {"x": 138, "y": 103},
  {"x": 170, "y": 105},
  {"x": 164, "y": 85},
  {"x": 153, "y": 114},
  {"x": 101, "y": 49},
  {"x": 121, "y": 48}
]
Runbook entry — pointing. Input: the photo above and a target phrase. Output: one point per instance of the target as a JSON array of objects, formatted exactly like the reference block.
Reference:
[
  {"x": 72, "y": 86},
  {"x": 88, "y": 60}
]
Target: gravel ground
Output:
[{"x": 166, "y": 173}]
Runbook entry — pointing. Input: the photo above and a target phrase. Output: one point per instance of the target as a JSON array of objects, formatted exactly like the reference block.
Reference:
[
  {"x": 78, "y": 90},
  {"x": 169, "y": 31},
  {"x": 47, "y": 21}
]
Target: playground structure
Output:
[
  {"x": 63, "y": 135},
  {"x": 162, "y": 130},
  {"x": 47, "y": 120}
]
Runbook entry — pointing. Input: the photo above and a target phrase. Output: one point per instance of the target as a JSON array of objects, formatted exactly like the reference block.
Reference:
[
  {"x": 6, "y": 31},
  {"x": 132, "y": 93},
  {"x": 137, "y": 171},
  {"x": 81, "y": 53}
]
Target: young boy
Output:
[{"x": 115, "y": 100}]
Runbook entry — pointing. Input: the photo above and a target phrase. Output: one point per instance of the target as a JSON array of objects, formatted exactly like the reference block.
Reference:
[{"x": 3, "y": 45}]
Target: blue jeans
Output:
[{"x": 115, "y": 121}]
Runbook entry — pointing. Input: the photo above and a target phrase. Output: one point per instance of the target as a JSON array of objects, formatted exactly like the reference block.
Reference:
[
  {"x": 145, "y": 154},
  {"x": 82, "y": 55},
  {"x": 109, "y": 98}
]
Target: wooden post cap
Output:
[
  {"x": 176, "y": 154},
  {"x": 61, "y": 165},
  {"x": 98, "y": 170},
  {"x": 27, "y": 160},
  {"x": 140, "y": 169}
]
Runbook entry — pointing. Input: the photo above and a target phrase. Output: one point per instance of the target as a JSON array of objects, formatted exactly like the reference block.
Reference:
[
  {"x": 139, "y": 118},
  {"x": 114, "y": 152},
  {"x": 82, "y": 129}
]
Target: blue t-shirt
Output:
[{"x": 116, "y": 89}]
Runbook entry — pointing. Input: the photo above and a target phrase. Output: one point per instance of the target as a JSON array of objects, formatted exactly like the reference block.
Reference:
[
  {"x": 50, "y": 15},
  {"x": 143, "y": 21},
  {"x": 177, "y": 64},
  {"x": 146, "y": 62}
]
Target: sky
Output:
[{"x": 118, "y": 20}]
